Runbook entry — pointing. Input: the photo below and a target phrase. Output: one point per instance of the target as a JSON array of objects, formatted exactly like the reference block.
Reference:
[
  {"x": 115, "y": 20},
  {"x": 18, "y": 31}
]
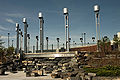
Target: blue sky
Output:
[{"x": 81, "y": 14}]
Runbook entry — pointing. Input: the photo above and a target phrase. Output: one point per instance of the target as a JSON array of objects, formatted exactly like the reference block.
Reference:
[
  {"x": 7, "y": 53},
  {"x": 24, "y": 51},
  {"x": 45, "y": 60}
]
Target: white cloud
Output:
[
  {"x": 14, "y": 15},
  {"x": 5, "y": 37},
  {"x": 13, "y": 37},
  {"x": 3, "y": 28},
  {"x": 10, "y": 21}
]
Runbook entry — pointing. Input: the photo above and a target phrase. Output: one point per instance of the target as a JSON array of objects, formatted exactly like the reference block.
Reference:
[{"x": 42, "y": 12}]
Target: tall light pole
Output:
[
  {"x": 69, "y": 42},
  {"x": 17, "y": 39},
  {"x": 58, "y": 43},
  {"x": 81, "y": 39},
  {"x": 93, "y": 38},
  {"x": 52, "y": 47},
  {"x": 33, "y": 49},
  {"x": 21, "y": 45},
  {"x": 12, "y": 42},
  {"x": 28, "y": 36},
  {"x": 20, "y": 37},
  {"x": 65, "y": 11},
  {"x": 47, "y": 42},
  {"x": 84, "y": 38},
  {"x": 25, "y": 34},
  {"x": 21, "y": 42},
  {"x": 41, "y": 32},
  {"x": 29, "y": 43},
  {"x": 37, "y": 44},
  {"x": 96, "y": 10},
  {"x": 8, "y": 40}
]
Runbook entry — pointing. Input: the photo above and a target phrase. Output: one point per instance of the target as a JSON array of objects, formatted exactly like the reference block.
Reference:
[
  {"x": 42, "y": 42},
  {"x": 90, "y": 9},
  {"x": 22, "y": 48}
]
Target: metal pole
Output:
[
  {"x": 21, "y": 37},
  {"x": 84, "y": 38},
  {"x": 52, "y": 47},
  {"x": 17, "y": 41},
  {"x": 96, "y": 10},
  {"x": 25, "y": 34},
  {"x": 28, "y": 38},
  {"x": 68, "y": 43},
  {"x": 93, "y": 39},
  {"x": 41, "y": 33},
  {"x": 99, "y": 24},
  {"x": 8, "y": 40},
  {"x": 82, "y": 42},
  {"x": 12, "y": 43},
  {"x": 29, "y": 44},
  {"x": 65, "y": 32},
  {"x": 65, "y": 10},
  {"x": 81, "y": 39},
  {"x": 36, "y": 44},
  {"x": 33, "y": 49},
  {"x": 22, "y": 42},
  {"x": 47, "y": 43},
  {"x": 96, "y": 16},
  {"x": 57, "y": 43}
]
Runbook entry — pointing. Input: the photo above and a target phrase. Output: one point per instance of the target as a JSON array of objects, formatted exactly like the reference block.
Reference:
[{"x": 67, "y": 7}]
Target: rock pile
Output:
[{"x": 65, "y": 68}]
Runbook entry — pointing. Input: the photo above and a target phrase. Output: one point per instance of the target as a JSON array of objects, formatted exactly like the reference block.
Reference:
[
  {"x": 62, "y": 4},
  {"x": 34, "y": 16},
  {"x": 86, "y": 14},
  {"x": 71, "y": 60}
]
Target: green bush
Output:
[
  {"x": 105, "y": 71},
  {"x": 1, "y": 50},
  {"x": 10, "y": 51}
]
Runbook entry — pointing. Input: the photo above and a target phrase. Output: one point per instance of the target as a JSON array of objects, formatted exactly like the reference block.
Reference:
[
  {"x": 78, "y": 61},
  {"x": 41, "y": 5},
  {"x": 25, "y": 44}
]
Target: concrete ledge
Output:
[{"x": 50, "y": 54}]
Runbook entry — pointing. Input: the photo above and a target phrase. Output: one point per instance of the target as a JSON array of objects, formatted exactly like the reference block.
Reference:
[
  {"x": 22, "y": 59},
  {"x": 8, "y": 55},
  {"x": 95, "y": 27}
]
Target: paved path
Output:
[{"x": 22, "y": 76}]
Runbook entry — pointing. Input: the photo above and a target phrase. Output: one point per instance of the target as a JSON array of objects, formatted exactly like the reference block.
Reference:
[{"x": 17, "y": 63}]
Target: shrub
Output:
[{"x": 105, "y": 71}]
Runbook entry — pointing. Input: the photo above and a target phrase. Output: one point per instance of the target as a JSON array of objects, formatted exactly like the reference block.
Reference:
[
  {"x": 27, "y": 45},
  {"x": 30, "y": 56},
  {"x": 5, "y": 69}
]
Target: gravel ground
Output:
[{"x": 22, "y": 76}]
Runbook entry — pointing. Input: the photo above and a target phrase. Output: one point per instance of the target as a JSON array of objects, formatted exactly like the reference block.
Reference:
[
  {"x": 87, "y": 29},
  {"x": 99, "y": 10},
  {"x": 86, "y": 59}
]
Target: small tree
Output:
[
  {"x": 1, "y": 42},
  {"x": 116, "y": 42},
  {"x": 105, "y": 44},
  {"x": 10, "y": 51}
]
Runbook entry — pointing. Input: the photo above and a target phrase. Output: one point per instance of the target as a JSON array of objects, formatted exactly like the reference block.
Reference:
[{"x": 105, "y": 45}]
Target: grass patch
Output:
[{"x": 104, "y": 71}]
